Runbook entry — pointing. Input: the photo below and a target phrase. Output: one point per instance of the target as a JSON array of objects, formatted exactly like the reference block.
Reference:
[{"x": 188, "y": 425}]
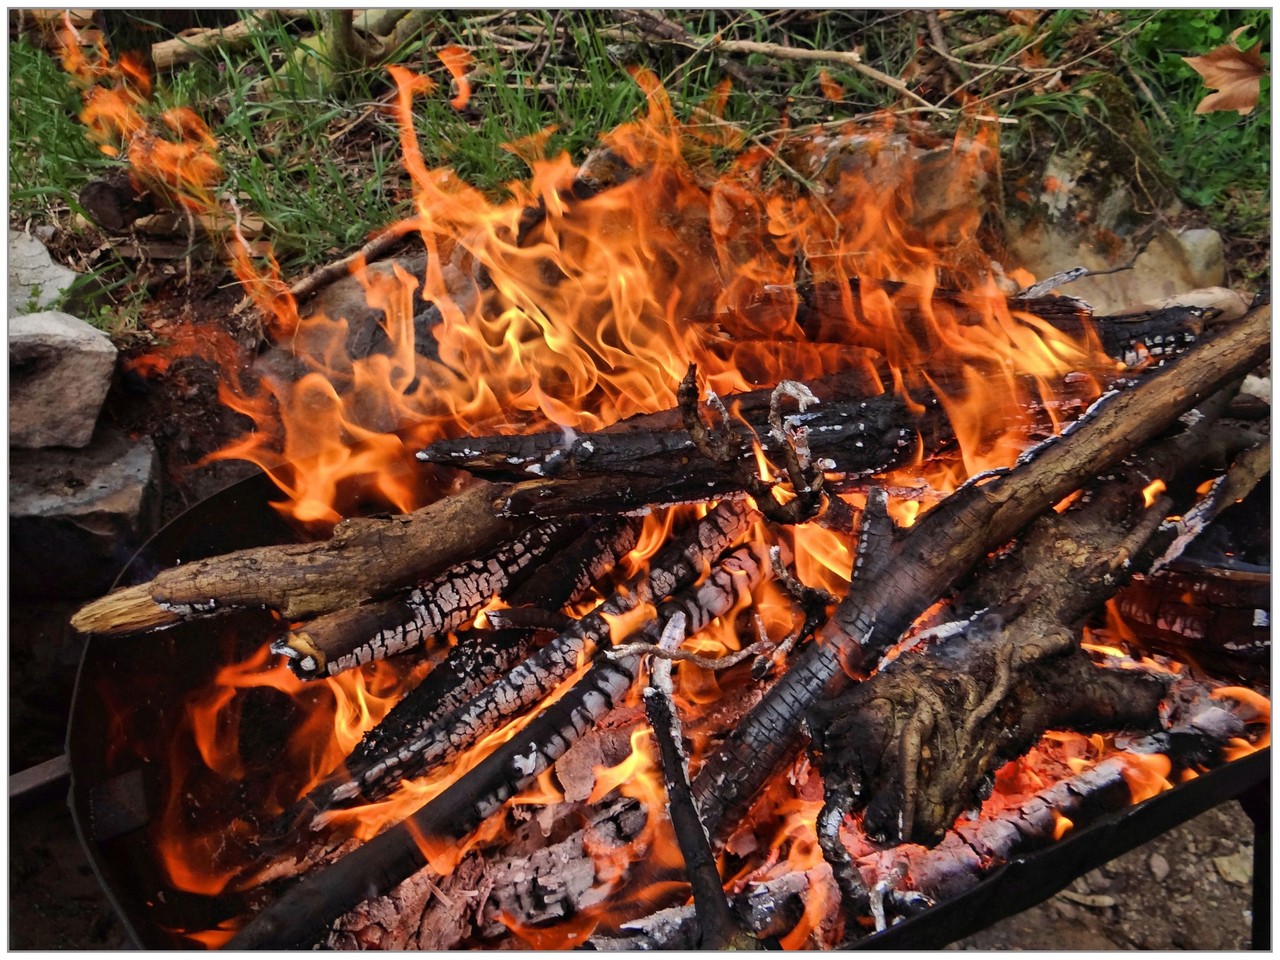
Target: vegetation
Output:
[{"x": 309, "y": 146}]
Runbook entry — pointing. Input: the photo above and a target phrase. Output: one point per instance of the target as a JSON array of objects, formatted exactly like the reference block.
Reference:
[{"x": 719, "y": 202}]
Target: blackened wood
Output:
[
  {"x": 920, "y": 737},
  {"x": 718, "y": 928},
  {"x": 365, "y": 558},
  {"x": 302, "y": 914},
  {"x": 677, "y": 564},
  {"x": 862, "y": 436},
  {"x": 948, "y": 541},
  {"x": 480, "y": 657},
  {"x": 348, "y": 638}
]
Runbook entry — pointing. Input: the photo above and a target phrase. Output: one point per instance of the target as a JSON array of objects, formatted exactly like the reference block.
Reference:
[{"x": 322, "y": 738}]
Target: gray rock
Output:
[
  {"x": 59, "y": 372},
  {"x": 1205, "y": 257},
  {"x": 77, "y": 516},
  {"x": 35, "y": 281},
  {"x": 1159, "y": 867}
]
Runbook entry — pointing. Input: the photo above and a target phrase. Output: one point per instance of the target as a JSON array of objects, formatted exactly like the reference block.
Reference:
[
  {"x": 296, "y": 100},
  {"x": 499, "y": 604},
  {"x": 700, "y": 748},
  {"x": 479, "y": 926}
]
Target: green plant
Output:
[{"x": 50, "y": 158}]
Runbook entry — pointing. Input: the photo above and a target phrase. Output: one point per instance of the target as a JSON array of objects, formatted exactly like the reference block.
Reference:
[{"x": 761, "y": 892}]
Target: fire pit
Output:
[{"x": 711, "y": 571}]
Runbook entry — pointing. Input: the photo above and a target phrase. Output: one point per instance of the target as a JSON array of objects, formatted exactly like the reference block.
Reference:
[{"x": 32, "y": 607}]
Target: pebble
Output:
[
  {"x": 1159, "y": 867},
  {"x": 1237, "y": 868}
]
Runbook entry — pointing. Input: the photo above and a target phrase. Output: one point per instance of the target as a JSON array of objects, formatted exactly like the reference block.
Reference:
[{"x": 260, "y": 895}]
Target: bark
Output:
[
  {"x": 364, "y": 559},
  {"x": 948, "y": 542},
  {"x": 353, "y": 636},
  {"x": 300, "y": 916}
]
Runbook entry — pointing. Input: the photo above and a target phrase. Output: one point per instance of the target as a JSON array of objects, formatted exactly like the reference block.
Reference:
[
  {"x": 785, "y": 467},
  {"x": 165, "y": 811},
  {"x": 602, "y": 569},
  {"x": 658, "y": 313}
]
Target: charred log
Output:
[
  {"x": 481, "y": 658},
  {"x": 301, "y": 915},
  {"x": 949, "y": 541},
  {"x": 353, "y": 636},
  {"x": 365, "y": 558},
  {"x": 847, "y": 315},
  {"x": 862, "y": 436},
  {"x": 677, "y": 565}
]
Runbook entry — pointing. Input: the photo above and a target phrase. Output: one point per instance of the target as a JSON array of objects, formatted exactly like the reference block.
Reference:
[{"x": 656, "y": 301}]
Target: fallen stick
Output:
[{"x": 365, "y": 558}]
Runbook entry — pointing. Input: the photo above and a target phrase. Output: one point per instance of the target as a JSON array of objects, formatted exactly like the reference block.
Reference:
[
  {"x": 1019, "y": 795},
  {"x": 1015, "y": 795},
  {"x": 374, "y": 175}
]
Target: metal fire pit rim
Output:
[{"x": 1025, "y": 880}]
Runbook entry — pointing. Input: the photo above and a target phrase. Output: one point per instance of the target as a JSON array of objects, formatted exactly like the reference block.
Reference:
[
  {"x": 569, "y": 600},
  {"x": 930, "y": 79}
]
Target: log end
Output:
[
  {"x": 131, "y": 610},
  {"x": 306, "y": 657}
]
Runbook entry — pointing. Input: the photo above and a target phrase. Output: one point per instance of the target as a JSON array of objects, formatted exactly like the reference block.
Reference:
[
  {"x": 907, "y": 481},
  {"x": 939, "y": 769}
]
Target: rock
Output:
[
  {"x": 1159, "y": 867},
  {"x": 35, "y": 280},
  {"x": 76, "y": 517},
  {"x": 1236, "y": 868},
  {"x": 59, "y": 372},
  {"x": 1203, "y": 251}
]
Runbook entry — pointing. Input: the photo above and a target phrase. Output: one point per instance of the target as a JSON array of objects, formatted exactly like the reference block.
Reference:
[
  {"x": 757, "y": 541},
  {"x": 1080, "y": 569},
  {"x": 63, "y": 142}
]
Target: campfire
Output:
[{"x": 705, "y": 563}]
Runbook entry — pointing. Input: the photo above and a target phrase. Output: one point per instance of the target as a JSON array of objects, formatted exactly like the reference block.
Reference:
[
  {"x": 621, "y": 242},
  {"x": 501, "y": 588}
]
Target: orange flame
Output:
[
  {"x": 1152, "y": 490},
  {"x": 458, "y": 61}
]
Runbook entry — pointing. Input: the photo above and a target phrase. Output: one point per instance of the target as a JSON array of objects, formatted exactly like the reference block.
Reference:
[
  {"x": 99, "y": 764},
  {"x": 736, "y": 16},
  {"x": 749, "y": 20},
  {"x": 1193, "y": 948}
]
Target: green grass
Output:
[
  {"x": 312, "y": 150},
  {"x": 50, "y": 158}
]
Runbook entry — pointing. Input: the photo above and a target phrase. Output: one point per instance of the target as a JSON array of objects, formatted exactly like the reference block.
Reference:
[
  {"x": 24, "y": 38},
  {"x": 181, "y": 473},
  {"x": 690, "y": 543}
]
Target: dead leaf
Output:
[{"x": 1235, "y": 74}]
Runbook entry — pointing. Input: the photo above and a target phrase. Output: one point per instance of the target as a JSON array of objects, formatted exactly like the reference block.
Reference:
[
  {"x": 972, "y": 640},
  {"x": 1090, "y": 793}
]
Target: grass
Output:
[{"x": 312, "y": 151}]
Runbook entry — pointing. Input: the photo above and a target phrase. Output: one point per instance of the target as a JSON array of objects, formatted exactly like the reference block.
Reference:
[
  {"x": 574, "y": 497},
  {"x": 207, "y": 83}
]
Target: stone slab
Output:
[
  {"x": 36, "y": 282},
  {"x": 59, "y": 371},
  {"x": 76, "y": 517}
]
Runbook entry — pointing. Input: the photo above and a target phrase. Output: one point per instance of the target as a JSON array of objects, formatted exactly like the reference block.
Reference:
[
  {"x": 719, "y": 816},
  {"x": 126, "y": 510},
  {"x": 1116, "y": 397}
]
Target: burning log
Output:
[
  {"x": 480, "y": 658},
  {"x": 676, "y": 566},
  {"x": 949, "y": 541},
  {"x": 349, "y": 637},
  {"x": 299, "y": 916},
  {"x": 847, "y": 314},
  {"x": 857, "y": 429},
  {"x": 864, "y": 435},
  {"x": 365, "y": 558},
  {"x": 919, "y": 737}
]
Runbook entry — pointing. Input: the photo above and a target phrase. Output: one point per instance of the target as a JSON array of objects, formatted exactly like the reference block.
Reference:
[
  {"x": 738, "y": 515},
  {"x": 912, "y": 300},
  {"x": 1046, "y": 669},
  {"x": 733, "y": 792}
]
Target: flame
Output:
[
  {"x": 458, "y": 61},
  {"x": 566, "y": 309},
  {"x": 1152, "y": 490},
  {"x": 1146, "y": 773},
  {"x": 1257, "y": 711}
]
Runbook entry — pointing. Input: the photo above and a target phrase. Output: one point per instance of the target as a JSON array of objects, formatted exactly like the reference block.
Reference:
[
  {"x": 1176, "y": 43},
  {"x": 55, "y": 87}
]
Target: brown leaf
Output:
[{"x": 1235, "y": 74}]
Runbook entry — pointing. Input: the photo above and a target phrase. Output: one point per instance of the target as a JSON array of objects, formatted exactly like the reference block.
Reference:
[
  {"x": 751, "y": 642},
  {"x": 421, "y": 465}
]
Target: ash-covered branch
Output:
[
  {"x": 716, "y": 921},
  {"x": 677, "y": 564},
  {"x": 348, "y": 638}
]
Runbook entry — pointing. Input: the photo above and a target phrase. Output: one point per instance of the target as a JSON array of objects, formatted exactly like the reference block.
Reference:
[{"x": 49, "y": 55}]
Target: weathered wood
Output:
[
  {"x": 949, "y": 541},
  {"x": 347, "y": 638},
  {"x": 365, "y": 558}
]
